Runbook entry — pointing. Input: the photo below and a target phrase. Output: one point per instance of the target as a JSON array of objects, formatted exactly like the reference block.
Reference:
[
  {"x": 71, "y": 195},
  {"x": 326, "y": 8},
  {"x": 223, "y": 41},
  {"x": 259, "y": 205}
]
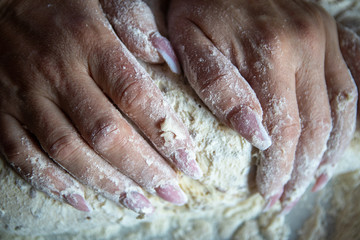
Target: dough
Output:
[{"x": 223, "y": 205}]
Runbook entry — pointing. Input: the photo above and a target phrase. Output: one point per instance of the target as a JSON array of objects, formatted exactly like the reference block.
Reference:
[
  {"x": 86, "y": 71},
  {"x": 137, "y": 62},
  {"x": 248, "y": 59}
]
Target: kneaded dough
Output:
[{"x": 223, "y": 205}]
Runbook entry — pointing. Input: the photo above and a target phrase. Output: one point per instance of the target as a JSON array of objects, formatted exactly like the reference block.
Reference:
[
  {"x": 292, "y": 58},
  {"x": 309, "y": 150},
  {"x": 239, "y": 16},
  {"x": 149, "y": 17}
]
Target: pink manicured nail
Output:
[
  {"x": 165, "y": 49},
  {"x": 289, "y": 207},
  {"x": 272, "y": 200},
  {"x": 77, "y": 202},
  {"x": 321, "y": 181},
  {"x": 137, "y": 202},
  {"x": 248, "y": 124},
  {"x": 187, "y": 164},
  {"x": 172, "y": 193}
]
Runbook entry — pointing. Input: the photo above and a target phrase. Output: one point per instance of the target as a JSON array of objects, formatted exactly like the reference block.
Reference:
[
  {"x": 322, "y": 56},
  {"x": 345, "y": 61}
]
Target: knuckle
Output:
[
  {"x": 130, "y": 93},
  {"x": 307, "y": 29},
  {"x": 270, "y": 45},
  {"x": 283, "y": 122},
  {"x": 127, "y": 82},
  {"x": 213, "y": 83},
  {"x": 272, "y": 41},
  {"x": 64, "y": 147},
  {"x": 78, "y": 25},
  {"x": 11, "y": 150},
  {"x": 318, "y": 127},
  {"x": 105, "y": 135},
  {"x": 290, "y": 130},
  {"x": 345, "y": 97}
]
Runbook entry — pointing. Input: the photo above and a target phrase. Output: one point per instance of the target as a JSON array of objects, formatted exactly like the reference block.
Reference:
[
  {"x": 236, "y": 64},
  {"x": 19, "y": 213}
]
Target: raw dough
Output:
[{"x": 223, "y": 205}]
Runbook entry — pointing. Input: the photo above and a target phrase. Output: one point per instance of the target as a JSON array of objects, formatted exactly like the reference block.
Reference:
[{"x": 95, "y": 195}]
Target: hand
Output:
[
  {"x": 64, "y": 72},
  {"x": 271, "y": 69}
]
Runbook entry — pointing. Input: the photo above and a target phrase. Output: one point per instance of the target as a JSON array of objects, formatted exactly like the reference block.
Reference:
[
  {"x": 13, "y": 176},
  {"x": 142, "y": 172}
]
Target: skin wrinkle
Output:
[{"x": 210, "y": 90}]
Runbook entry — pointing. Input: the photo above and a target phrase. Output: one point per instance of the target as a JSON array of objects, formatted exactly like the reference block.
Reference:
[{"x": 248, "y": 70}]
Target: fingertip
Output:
[
  {"x": 270, "y": 202},
  {"x": 172, "y": 193},
  {"x": 248, "y": 123},
  {"x": 184, "y": 159},
  {"x": 77, "y": 201},
  {"x": 320, "y": 183},
  {"x": 286, "y": 209},
  {"x": 164, "y": 48},
  {"x": 137, "y": 202},
  {"x": 263, "y": 142}
]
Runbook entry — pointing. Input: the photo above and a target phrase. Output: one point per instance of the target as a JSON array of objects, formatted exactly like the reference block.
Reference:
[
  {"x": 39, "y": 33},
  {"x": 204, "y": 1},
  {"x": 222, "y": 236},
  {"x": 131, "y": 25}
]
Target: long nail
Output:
[
  {"x": 137, "y": 202},
  {"x": 78, "y": 202},
  {"x": 172, "y": 193},
  {"x": 286, "y": 209},
  {"x": 165, "y": 49},
  {"x": 321, "y": 181},
  {"x": 248, "y": 124},
  {"x": 271, "y": 201},
  {"x": 187, "y": 164}
]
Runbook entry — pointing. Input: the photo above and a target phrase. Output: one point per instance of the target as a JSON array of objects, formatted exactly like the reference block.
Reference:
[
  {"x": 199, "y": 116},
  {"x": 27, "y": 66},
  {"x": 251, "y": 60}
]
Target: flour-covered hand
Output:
[
  {"x": 273, "y": 71},
  {"x": 66, "y": 80}
]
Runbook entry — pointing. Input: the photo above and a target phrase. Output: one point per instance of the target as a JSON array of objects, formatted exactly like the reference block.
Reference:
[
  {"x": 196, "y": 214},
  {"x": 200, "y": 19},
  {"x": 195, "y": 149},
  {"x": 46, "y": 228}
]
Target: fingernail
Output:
[
  {"x": 289, "y": 207},
  {"x": 165, "y": 49},
  {"x": 321, "y": 181},
  {"x": 271, "y": 201},
  {"x": 137, "y": 202},
  {"x": 187, "y": 164},
  {"x": 248, "y": 124},
  {"x": 172, "y": 193},
  {"x": 78, "y": 202}
]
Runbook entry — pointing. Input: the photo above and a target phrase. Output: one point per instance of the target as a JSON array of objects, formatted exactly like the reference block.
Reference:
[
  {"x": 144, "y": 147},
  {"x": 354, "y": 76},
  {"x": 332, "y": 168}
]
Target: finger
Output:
[
  {"x": 218, "y": 83},
  {"x": 25, "y": 156},
  {"x": 316, "y": 125},
  {"x": 61, "y": 141},
  {"x": 135, "y": 25},
  {"x": 127, "y": 83},
  {"x": 111, "y": 136},
  {"x": 343, "y": 98},
  {"x": 274, "y": 84},
  {"x": 350, "y": 48}
]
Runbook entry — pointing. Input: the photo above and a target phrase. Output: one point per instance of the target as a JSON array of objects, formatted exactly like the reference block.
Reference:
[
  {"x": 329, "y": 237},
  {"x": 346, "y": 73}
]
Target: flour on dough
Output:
[{"x": 223, "y": 205}]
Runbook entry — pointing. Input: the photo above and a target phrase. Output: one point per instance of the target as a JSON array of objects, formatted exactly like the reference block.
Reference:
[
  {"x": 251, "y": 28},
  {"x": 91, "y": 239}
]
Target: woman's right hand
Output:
[{"x": 65, "y": 76}]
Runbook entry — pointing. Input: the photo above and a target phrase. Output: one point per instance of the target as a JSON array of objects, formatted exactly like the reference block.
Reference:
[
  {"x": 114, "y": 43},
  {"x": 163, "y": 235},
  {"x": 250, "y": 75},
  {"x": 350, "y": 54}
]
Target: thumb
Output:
[{"x": 134, "y": 23}]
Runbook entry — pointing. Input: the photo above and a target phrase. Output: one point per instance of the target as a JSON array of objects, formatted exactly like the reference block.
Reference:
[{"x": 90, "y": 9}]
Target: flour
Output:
[{"x": 223, "y": 204}]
